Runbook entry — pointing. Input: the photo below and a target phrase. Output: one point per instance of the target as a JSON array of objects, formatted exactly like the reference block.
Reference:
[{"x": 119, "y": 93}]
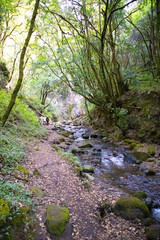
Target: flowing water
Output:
[{"x": 107, "y": 159}]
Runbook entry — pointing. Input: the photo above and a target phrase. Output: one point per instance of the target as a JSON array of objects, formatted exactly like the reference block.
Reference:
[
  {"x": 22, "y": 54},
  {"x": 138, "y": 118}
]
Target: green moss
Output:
[
  {"x": 88, "y": 169},
  {"x": 36, "y": 172},
  {"x": 78, "y": 170},
  {"x": 153, "y": 232},
  {"x": 140, "y": 195},
  {"x": 129, "y": 141},
  {"x": 130, "y": 208},
  {"x": 56, "y": 147},
  {"x": 37, "y": 149},
  {"x": 57, "y": 218},
  {"x": 4, "y": 212},
  {"x": 22, "y": 170},
  {"x": 132, "y": 145},
  {"x": 151, "y": 151},
  {"x": 37, "y": 191}
]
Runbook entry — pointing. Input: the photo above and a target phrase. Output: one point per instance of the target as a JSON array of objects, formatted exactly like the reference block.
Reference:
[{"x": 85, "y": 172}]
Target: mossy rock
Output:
[
  {"x": 37, "y": 191},
  {"x": 151, "y": 151},
  {"x": 131, "y": 208},
  {"x": 4, "y": 211},
  {"x": 141, "y": 156},
  {"x": 153, "y": 232},
  {"x": 22, "y": 169},
  {"x": 140, "y": 195},
  {"x": 150, "y": 172},
  {"x": 85, "y": 135},
  {"x": 88, "y": 169},
  {"x": 129, "y": 141},
  {"x": 78, "y": 170},
  {"x": 87, "y": 145},
  {"x": 56, "y": 219},
  {"x": 36, "y": 172},
  {"x": 133, "y": 145}
]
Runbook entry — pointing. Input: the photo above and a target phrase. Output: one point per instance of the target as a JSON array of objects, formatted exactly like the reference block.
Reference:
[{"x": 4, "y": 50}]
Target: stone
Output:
[
  {"x": 88, "y": 176},
  {"x": 150, "y": 172},
  {"x": 87, "y": 145},
  {"x": 131, "y": 208},
  {"x": 85, "y": 135},
  {"x": 148, "y": 202},
  {"x": 37, "y": 191},
  {"x": 147, "y": 221},
  {"x": 140, "y": 195},
  {"x": 141, "y": 156},
  {"x": 4, "y": 211},
  {"x": 56, "y": 219},
  {"x": 88, "y": 169},
  {"x": 153, "y": 232}
]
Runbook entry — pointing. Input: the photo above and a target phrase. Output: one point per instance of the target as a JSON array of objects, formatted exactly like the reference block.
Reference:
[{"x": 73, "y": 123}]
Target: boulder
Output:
[
  {"x": 37, "y": 191},
  {"x": 141, "y": 156},
  {"x": 4, "y": 211},
  {"x": 140, "y": 195},
  {"x": 88, "y": 176},
  {"x": 85, "y": 135},
  {"x": 86, "y": 145},
  {"x": 88, "y": 169},
  {"x": 131, "y": 208},
  {"x": 56, "y": 219},
  {"x": 153, "y": 232}
]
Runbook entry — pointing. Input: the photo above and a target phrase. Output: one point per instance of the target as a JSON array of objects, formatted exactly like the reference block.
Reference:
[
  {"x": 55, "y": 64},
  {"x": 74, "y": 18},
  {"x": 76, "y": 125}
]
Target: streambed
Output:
[{"x": 107, "y": 159}]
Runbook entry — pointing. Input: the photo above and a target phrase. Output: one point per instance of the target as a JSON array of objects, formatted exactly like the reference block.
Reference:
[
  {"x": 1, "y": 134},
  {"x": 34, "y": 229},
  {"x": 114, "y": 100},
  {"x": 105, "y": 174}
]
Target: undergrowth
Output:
[{"x": 21, "y": 127}]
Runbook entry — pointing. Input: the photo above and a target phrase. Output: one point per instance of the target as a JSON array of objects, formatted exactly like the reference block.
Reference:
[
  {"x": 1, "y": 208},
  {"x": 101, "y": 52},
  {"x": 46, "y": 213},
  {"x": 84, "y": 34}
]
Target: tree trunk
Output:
[{"x": 21, "y": 65}]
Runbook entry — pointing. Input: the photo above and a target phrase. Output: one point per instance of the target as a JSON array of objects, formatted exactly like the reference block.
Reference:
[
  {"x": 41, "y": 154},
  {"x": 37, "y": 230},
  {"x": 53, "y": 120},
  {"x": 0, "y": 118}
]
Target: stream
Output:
[{"x": 107, "y": 159}]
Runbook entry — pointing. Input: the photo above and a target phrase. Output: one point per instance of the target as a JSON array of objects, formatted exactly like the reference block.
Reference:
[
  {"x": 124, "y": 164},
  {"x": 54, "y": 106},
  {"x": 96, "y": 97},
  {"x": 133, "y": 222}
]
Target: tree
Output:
[
  {"x": 88, "y": 33},
  {"x": 21, "y": 65}
]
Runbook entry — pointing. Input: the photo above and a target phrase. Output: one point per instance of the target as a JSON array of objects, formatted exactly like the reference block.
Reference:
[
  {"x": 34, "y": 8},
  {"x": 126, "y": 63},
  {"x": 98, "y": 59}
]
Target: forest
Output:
[{"x": 93, "y": 68}]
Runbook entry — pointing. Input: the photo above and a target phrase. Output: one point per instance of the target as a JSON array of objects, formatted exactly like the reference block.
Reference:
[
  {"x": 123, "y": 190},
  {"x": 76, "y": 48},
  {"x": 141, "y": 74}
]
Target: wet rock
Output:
[
  {"x": 140, "y": 195},
  {"x": 153, "y": 232},
  {"x": 85, "y": 135},
  {"x": 88, "y": 169},
  {"x": 4, "y": 211},
  {"x": 75, "y": 150},
  {"x": 37, "y": 191},
  {"x": 56, "y": 219},
  {"x": 86, "y": 145},
  {"x": 130, "y": 208},
  {"x": 94, "y": 135},
  {"x": 150, "y": 172},
  {"x": 156, "y": 214},
  {"x": 129, "y": 158},
  {"x": 148, "y": 202}
]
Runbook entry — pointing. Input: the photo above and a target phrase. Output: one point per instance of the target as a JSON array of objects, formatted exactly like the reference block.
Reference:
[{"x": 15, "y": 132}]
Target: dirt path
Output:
[{"x": 63, "y": 187}]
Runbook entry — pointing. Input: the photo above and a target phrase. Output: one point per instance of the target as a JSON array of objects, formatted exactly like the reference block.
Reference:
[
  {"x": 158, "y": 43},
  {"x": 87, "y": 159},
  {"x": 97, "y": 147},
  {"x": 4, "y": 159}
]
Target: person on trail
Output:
[{"x": 47, "y": 120}]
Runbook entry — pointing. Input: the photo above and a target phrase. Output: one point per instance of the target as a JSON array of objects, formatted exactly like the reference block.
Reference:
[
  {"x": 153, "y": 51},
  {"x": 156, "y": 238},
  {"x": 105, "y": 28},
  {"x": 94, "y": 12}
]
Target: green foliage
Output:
[
  {"x": 70, "y": 158},
  {"x": 14, "y": 193}
]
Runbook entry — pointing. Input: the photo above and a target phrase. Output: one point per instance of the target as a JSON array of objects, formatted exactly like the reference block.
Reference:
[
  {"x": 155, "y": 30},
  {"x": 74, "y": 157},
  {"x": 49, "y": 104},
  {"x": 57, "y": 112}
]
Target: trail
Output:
[{"x": 63, "y": 187}]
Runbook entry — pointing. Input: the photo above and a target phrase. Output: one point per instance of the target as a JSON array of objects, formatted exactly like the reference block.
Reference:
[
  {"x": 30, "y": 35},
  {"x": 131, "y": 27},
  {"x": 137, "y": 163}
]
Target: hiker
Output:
[{"x": 47, "y": 120}]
